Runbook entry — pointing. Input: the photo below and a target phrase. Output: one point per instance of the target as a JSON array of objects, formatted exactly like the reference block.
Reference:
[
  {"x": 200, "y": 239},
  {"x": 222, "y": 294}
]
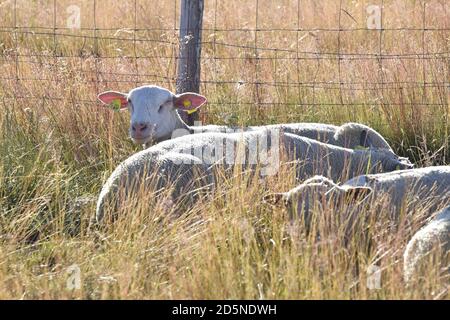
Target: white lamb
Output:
[
  {"x": 154, "y": 171},
  {"x": 154, "y": 118},
  {"x": 165, "y": 162},
  {"x": 435, "y": 235},
  {"x": 430, "y": 186}
]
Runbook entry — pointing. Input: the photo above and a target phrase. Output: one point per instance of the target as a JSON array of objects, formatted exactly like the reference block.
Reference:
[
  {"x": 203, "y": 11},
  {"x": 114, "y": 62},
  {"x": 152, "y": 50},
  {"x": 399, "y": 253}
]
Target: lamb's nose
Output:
[{"x": 139, "y": 127}]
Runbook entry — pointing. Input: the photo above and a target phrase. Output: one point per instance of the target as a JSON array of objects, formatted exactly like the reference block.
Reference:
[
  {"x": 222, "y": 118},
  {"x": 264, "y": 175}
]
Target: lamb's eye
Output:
[{"x": 160, "y": 108}]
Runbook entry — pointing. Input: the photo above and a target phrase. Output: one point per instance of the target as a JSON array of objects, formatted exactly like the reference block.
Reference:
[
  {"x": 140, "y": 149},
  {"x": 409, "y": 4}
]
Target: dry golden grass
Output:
[{"x": 57, "y": 150}]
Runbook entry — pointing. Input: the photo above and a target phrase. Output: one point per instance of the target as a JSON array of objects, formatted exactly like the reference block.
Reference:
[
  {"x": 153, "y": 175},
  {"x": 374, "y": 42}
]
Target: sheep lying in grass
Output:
[
  {"x": 154, "y": 118},
  {"x": 169, "y": 160},
  {"x": 435, "y": 235},
  {"x": 349, "y": 135},
  {"x": 313, "y": 157},
  {"x": 152, "y": 170},
  {"x": 425, "y": 185},
  {"x": 428, "y": 187}
]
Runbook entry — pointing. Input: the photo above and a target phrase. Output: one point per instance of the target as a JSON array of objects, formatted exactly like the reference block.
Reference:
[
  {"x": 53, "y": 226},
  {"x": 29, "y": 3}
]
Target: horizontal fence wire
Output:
[
  {"x": 84, "y": 101},
  {"x": 230, "y": 29},
  {"x": 252, "y": 53}
]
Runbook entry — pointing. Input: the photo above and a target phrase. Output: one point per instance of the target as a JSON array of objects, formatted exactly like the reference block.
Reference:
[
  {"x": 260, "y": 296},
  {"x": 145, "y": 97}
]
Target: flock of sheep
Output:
[{"x": 351, "y": 163}]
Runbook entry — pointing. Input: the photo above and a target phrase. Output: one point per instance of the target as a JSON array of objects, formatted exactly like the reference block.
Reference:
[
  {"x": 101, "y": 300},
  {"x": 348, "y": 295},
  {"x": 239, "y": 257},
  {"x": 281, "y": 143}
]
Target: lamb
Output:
[
  {"x": 429, "y": 185},
  {"x": 154, "y": 118},
  {"x": 313, "y": 157},
  {"x": 435, "y": 235},
  {"x": 349, "y": 135},
  {"x": 425, "y": 187},
  {"x": 154, "y": 170},
  {"x": 169, "y": 159}
]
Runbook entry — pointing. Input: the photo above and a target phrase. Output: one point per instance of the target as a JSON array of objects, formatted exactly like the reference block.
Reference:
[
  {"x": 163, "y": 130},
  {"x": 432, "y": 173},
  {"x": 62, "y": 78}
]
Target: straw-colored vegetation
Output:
[{"x": 57, "y": 145}]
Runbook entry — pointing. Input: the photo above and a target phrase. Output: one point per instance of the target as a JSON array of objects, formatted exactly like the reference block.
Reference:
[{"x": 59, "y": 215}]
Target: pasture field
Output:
[{"x": 58, "y": 145}]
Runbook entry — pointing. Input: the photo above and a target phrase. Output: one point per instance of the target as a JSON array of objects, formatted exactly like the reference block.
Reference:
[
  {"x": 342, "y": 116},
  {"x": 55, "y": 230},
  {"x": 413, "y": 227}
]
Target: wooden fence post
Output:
[{"x": 188, "y": 77}]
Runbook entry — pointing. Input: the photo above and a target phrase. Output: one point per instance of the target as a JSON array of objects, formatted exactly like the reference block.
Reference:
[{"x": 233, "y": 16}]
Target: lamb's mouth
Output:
[{"x": 142, "y": 140}]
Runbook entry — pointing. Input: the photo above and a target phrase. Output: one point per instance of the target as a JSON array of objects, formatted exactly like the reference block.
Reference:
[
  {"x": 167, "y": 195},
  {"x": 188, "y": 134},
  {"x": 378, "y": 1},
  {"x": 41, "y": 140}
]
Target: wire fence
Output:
[{"x": 255, "y": 63}]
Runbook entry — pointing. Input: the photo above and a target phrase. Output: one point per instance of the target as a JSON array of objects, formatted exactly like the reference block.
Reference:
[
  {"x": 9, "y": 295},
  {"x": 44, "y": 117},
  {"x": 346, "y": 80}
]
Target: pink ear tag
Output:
[{"x": 115, "y": 105}]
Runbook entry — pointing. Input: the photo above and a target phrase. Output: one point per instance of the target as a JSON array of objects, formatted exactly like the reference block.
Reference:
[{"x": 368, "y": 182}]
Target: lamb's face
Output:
[
  {"x": 305, "y": 198},
  {"x": 153, "y": 110},
  {"x": 392, "y": 162},
  {"x": 152, "y": 114}
]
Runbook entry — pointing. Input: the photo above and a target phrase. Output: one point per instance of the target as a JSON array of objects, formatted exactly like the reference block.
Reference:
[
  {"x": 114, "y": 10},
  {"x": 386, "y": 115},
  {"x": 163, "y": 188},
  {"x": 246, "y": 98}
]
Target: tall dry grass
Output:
[{"x": 58, "y": 145}]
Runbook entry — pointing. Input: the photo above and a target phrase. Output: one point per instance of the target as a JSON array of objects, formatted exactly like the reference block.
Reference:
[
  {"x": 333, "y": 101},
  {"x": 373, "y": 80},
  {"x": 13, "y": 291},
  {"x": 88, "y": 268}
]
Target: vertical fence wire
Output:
[
  {"x": 339, "y": 57},
  {"x": 380, "y": 57},
  {"x": 297, "y": 50},
  {"x": 54, "y": 30},
  {"x": 135, "y": 30},
  {"x": 96, "y": 52},
  {"x": 214, "y": 44},
  {"x": 175, "y": 43},
  {"x": 16, "y": 43},
  {"x": 423, "y": 50},
  {"x": 55, "y": 56},
  {"x": 256, "y": 82}
]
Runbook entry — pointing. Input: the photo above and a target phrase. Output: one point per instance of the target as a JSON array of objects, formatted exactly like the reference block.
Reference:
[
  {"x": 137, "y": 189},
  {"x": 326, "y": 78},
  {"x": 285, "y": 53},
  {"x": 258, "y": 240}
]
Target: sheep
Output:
[
  {"x": 435, "y": 235},
  {"x": 154, "y": 118},
  {"x": 338, "y": 163},
  {"x": 429, "y": 185},
  {"x": 349, "y": 135},
  {"x": 152, "y": 169},
  {"x": 265, "y": 148}
]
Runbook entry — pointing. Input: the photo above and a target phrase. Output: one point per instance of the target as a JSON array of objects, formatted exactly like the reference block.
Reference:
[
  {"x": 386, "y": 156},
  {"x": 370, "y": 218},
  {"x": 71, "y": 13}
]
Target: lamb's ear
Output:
[
  {"x": 188, "y": 101},
  {"x": 114, "y": 100},
  {"x": 354, "y": 194},
  {"x": 275, "y": 199}
]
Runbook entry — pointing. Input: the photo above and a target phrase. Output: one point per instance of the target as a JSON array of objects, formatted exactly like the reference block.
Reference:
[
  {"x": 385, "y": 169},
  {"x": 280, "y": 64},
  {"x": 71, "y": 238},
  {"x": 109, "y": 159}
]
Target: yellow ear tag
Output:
[
  {"x": 115, "y": 105},
  {"x": 187, "y": 103}
]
